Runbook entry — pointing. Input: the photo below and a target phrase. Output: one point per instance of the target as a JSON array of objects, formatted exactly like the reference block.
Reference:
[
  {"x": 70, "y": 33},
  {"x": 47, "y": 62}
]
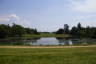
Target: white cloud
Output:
[
  {"x": 13, "y": 18},
  {"x": 84, "y": 5},
  {"x": 9, "y": 17}
]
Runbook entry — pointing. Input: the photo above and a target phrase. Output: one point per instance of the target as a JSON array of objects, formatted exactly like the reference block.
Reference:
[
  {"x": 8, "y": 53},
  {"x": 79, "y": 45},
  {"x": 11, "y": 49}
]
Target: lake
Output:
[{"x": 47, "y": 41}]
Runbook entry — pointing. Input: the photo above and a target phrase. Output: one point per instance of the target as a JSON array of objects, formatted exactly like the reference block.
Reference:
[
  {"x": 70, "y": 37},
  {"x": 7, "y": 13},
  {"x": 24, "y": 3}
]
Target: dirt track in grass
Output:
[{"x": 46, "y": 46}]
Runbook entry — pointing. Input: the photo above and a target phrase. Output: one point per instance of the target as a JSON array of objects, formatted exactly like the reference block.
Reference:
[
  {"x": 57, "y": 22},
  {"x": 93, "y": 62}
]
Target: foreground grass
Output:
[{"x": 84, "y": 55}]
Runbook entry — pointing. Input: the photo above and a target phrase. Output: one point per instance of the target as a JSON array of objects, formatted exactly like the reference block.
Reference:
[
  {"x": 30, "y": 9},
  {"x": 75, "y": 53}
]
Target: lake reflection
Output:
[{"x": 46, "y": 41}]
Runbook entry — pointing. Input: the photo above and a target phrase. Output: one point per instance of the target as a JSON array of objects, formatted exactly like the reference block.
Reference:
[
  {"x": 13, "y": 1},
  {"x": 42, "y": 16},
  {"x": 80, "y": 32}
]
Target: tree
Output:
[
  {"x": 28, "y": 31},
  {"x": 77, "y": 31},
  {"x": 74, "y": 31},
  {"x": 92, "y": 32},
  {"x": 35, "y": 31},
  {"x": 66, "y": 29},
  {"x": 4, "y": 31},
  {"x": 17, "y": 30},
  {"x": 60, "y": 31},
  {"x": 79, "y": 26},
  {"x": 83, "y": 32},
  {"x": 31, "y": 31}
]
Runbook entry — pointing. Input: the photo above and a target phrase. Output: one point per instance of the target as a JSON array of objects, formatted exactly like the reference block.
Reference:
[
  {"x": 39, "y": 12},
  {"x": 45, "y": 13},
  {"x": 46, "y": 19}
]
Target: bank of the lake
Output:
[
  {"x": 79, "y": 55},
  {"x": 47, "y": 35}
]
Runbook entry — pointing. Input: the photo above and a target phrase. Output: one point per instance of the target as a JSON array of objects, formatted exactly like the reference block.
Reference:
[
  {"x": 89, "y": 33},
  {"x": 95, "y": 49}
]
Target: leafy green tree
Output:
[
  {"x": 78, "y": 31},
  {"x": 74, "y": 31},
  {"x": 35, "y": 31},
  {"x": 83, "y": 33},
  {"x": 92, "y": 32},
  {"x": 28, "y": 31},
  {"x": 4, "y": 31},
  {"x": 66, "y": 29},
  {"x": 17, "y": 30},
  {"x": 79, "y": 26},
  {"x": 31, "y": 31},
  {"x": 60, "y": 31}
]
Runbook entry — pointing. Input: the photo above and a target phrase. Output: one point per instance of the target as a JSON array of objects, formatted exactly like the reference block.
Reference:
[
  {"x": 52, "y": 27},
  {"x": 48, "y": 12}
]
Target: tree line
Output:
[
  {"x": 18, "y": 31},
  {"x": 15, "y": 30},
  {"x": 78, "y": 31}
]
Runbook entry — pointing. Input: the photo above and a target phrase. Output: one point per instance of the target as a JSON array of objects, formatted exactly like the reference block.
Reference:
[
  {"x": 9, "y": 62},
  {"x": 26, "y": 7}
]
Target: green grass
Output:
[
  {"x": 48, "y": 55},
  {"x": 47, "y": 35}
]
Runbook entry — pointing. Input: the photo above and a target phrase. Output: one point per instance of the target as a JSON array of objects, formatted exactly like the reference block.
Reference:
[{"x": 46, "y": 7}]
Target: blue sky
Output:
[{"x": 48, "y": 15}]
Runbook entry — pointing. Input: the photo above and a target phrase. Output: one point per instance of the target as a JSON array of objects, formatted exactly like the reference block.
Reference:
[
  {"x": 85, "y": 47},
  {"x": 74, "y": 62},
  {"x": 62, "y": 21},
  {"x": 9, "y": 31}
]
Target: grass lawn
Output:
[{"x": 84, "y": 55}]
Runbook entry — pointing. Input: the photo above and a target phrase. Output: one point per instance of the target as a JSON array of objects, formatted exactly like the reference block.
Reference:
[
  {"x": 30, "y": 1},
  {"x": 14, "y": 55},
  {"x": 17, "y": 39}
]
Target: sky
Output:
[{"x": 48, "y": 15}]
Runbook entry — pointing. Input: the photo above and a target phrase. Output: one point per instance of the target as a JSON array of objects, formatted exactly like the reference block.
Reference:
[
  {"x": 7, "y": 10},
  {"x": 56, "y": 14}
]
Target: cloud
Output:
[
  {"x": 83, "y": 5},
  {"x": 9, "y": 17},
  {"x": 13, "y": 18}
]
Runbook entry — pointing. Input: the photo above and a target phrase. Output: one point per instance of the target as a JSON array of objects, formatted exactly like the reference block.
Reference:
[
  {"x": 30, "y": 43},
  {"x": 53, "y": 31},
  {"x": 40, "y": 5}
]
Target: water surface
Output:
[{"x": 47, "y": 41}]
